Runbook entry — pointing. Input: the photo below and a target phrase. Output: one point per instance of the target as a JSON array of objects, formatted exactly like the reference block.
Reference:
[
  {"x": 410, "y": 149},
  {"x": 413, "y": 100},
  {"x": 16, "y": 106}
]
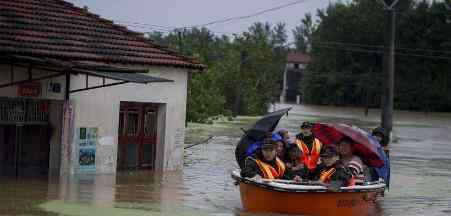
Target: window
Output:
[
  {"x": 296, "y": 66},
  {"x": 150, "y": 123},
  {"x": 132, "y": 123},
  {"x": 121, "y": 123}
]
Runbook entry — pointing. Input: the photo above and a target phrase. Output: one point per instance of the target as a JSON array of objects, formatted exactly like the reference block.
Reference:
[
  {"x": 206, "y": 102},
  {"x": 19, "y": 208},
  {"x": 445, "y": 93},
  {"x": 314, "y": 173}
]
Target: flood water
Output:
[{"x": 420, "y": 158}]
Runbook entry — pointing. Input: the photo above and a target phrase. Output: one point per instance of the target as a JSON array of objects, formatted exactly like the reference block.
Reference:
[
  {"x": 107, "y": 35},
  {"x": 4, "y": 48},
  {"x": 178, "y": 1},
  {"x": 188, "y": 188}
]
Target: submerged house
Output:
[{"x": 80, "y": 94}]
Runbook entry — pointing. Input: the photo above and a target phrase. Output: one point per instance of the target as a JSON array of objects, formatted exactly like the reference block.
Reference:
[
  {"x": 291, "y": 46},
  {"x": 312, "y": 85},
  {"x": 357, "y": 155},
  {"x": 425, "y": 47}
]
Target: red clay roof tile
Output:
[
  {"x": 298, "y": 57},
  {"x": 58, "y": 29}
]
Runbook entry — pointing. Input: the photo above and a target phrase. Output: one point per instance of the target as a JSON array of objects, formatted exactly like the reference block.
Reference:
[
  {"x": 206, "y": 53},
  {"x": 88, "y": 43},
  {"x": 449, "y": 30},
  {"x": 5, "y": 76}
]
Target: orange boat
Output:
[{"x": 285, "y": 197}]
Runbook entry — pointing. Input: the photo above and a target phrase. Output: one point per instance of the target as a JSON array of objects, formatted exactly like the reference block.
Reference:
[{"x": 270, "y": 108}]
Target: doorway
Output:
[
  {"x": 30, "y": 137},
  {"x": 24, "y": 150},
  {"x": 137, "y": 141}
]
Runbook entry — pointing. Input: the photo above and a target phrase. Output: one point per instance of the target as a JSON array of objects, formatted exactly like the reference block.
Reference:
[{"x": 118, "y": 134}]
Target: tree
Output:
[
  {"x": 347, "y": 47},
  {"x": 303, "y": 34}
]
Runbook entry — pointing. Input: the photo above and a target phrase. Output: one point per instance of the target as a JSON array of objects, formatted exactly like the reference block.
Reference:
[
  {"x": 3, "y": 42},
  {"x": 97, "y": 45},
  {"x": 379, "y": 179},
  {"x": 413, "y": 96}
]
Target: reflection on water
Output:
[{"x": 421, "y": 175}]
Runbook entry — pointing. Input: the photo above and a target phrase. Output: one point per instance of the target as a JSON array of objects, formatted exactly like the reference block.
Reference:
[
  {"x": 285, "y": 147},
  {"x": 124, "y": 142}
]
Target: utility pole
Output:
[
  {"x": 237, "y": 102},
  {"x": 389, "y": 67}
]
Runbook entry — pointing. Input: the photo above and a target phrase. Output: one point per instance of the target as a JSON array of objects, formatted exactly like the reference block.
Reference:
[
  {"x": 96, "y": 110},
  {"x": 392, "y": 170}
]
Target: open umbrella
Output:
[
  {"x": 257, "y": 132},
  {"x": 365, "y": 145}
]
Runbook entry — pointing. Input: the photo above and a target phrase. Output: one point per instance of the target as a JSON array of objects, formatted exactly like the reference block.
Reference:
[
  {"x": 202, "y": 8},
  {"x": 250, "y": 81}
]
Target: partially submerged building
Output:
[
  {"x": 79, "y": 93},
  {"x": 293, "y": 74}
]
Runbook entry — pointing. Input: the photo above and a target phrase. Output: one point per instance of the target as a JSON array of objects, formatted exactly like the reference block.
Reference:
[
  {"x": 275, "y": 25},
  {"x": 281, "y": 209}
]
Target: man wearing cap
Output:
[
  {"x": 309, "y": 145},
  {"x": 331, "y": 171},
  {"x": 264, "y": 163}
]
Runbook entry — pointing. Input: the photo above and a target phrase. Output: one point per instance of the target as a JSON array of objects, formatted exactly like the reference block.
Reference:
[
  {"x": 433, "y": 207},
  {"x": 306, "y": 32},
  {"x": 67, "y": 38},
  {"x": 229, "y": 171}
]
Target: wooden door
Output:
[
  {"x": 137, "y": 135},
  {"x": 149, "y": 136}
]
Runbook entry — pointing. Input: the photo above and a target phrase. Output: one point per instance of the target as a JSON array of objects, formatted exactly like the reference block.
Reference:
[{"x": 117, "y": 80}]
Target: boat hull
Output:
[{"x": 257, "y": 199}]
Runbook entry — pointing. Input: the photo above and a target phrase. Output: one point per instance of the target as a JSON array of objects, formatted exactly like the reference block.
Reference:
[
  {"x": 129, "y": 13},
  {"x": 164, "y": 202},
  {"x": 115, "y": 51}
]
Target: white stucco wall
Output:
[{"x": 100, "y": 108}]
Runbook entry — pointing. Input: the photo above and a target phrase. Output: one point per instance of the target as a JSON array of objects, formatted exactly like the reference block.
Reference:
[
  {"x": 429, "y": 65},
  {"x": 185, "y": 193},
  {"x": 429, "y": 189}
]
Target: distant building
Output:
[
  {"x": 80, "y": 94},
  {"x": 292, "y": 76}
]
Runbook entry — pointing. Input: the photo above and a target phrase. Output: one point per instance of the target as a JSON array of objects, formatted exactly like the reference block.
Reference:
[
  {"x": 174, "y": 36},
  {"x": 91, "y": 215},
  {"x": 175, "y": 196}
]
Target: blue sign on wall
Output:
[{"x": 86, "y": 149}]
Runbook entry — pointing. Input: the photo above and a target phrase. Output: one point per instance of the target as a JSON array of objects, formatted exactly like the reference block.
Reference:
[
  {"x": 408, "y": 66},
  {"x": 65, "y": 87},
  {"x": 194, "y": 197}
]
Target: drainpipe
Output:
[
  {"x": 67, "y": 93},
  {"x": 284, "y": 87}
]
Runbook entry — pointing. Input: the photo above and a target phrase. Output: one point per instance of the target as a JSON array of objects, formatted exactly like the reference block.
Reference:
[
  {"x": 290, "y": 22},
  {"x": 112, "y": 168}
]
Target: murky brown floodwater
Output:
[{"x": 420, "y": 157}]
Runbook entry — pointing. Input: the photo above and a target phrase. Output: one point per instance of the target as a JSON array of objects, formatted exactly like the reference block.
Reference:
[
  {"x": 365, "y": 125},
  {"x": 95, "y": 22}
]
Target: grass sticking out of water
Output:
[
  {"x": 196, "y": 132},
  {"x": 76, "y": 209}
]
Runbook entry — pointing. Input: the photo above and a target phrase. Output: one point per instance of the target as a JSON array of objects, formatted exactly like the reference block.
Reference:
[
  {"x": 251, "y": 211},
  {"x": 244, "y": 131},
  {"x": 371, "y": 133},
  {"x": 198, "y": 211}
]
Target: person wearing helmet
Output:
[
  {"x": 380, "y": 135},
  {"x": 264, "y": 163},
  {"x": 332, "y": 172}
]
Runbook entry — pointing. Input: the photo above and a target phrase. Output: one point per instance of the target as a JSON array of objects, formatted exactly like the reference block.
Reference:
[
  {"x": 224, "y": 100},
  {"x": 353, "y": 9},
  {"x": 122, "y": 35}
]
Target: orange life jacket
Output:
[
  {"x": 326, "y": 176},
  {"x": 270, "y": 172},
  {"x": 309, "y": 158}
]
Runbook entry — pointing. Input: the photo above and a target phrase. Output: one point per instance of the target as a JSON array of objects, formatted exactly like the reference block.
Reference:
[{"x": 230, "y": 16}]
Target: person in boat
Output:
[
  {"x": 264, "y": 163},
  {"x": 332, "y": 172},
  {"x": 380, "y": 135},
  {"x": 295, "y": 169},
  {"x": 280, "y": 146},
  {"x": 309, "y": 146},
  {"x": 358, "y": 169},
  {"x": 284, "y": 133}
]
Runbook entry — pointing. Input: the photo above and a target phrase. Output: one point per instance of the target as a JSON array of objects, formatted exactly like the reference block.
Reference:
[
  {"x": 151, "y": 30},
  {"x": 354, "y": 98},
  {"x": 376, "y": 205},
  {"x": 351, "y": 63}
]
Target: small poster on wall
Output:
[{"x": 86, "y": 144}]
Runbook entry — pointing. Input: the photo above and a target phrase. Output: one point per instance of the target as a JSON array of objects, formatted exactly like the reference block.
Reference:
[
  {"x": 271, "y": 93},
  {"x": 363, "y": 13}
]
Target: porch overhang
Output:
[{"x": 66, "y": 68}]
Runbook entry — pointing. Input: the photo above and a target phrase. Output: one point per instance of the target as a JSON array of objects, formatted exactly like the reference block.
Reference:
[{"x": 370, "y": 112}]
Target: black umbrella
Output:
[{"x": 257, "y": 132}]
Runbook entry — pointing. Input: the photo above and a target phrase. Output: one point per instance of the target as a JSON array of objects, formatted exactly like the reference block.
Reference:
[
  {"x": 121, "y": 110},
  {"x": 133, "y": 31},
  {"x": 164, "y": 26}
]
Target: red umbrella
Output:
[{"x": 364, "y": 145}]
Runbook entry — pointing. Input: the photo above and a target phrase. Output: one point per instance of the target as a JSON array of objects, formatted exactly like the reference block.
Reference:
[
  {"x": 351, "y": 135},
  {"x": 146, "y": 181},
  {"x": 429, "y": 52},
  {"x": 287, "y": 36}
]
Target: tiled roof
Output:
[
  {"x": 58, "y": 29},
  {"x": 298, "y": 57}
]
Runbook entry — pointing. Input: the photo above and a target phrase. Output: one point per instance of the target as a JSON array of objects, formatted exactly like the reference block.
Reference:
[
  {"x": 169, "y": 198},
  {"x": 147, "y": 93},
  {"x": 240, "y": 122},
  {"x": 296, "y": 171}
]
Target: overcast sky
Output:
[{"x": 180, "y": 13}]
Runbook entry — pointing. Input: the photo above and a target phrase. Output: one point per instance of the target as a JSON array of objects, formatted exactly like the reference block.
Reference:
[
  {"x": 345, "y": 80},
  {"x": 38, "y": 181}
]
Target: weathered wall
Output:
[
  {"x": 21, "y": 73},
  {"x": 100, "y": 108},
  {"x": 55, "y": 106}
]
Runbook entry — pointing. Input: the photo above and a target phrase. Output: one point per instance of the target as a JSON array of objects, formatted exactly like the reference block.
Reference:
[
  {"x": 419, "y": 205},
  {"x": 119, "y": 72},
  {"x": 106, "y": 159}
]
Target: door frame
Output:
[{"x": 140, "y": 139}]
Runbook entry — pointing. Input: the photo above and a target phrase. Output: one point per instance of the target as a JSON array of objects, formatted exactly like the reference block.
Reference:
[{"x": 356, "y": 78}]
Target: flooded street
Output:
[{"x": 420, "y": 182}]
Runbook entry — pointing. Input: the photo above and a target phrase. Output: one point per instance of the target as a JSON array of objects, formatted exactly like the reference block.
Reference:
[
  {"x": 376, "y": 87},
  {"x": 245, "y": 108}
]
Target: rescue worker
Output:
[
  {"x": 309, "y": 146},
  {"x": 295, "y": 169},
  {"x": 353, "y": 162},
  {"x": 380, "y": 135},
  {"x": 264, "y": 163},
  {"x": 331, "y": 172}
]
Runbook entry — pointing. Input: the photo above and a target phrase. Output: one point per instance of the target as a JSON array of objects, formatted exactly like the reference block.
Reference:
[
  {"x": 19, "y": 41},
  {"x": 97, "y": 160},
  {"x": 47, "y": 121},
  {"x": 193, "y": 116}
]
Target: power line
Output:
[
  {"x": 169, "y": 29},
  {"x": 351, "y": 47},
  {"x": 374, "y": 51},
  {"x": 250, "y": 15},
  {"x": 382, "y": 47},
  {"x": 173, "y": 28}
]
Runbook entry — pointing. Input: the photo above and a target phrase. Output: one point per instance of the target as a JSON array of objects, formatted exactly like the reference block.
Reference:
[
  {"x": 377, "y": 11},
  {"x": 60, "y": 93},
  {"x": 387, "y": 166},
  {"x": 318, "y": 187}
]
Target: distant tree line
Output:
[
  {"x": 346, "y": 40},
  {"x": 243, "y": 74}
]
